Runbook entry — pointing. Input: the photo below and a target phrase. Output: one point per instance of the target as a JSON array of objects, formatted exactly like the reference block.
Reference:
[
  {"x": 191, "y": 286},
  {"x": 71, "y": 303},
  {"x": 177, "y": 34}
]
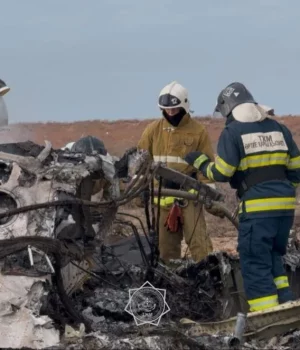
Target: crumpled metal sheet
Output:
[
  {"x": 20, "y": 323},
  {"x": 108, "y": 167},
  {"x": 73, "y": 277},
  {"x": 21, "y": 296},
  {"x": 22, "y": 329},
  {"x": 38, "y": 222}
]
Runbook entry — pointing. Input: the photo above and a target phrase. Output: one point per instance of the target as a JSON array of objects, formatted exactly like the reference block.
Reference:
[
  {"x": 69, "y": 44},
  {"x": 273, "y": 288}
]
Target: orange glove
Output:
[{"x": 174, "y": 220}]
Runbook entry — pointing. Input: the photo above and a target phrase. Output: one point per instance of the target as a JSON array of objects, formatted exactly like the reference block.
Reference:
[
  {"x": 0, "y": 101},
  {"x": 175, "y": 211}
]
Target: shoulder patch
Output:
[{"x": 264, "y": 142}]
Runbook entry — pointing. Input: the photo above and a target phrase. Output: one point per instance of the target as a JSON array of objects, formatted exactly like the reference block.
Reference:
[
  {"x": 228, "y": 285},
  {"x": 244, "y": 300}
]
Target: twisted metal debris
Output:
[{"x": 52, "y": 241}]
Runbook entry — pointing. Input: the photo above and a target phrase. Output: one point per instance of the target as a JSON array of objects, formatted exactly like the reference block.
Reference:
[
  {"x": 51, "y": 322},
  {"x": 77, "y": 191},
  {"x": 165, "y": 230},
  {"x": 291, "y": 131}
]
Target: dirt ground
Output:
[{"x": 120, "y": 135}]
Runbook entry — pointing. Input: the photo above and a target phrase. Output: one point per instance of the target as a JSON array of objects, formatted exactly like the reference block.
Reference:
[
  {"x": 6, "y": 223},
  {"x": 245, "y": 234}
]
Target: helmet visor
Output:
[{"x": 168, "y": 101}]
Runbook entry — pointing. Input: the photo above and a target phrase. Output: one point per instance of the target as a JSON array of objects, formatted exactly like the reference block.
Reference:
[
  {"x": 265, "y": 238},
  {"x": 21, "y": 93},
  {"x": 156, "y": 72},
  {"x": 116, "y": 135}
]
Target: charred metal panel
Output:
[{"x": 31, "y": 174}]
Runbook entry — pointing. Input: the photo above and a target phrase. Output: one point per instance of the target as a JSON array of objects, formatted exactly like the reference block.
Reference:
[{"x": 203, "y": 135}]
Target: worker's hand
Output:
[
  {"x": 215, "y": 212},
  {"x": 197, "y": 159}
]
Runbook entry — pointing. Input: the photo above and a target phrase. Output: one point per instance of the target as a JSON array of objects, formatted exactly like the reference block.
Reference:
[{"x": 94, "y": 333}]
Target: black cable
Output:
[
  {"x": 158, "y": 208},
  {"x": 152, "y": 205},
  {"x": 146, "y": 199},
  {"x": 155, "y": 238},
  {"x": 141, "y": 223}
]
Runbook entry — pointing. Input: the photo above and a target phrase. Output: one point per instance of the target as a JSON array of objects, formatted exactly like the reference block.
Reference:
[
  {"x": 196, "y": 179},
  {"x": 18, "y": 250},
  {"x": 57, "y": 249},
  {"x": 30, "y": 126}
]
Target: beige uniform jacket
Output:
[{"x": 170, "y": 144}]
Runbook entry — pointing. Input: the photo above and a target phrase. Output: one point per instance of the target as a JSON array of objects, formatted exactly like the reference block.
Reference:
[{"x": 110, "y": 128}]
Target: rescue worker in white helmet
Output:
[
  {"x": 168, "y": 140},
  {"x": 4, "y": 89},
  {"x": 259, "y": 158}
]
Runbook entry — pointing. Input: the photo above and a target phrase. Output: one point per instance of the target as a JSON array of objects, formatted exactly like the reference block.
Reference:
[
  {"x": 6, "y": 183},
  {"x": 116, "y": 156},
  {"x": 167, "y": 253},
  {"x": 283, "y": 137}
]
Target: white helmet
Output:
[
  {"x": 3, "y": 112},
  {"x": 174, "y": 95},
  {"x": 3, "y": 88}
]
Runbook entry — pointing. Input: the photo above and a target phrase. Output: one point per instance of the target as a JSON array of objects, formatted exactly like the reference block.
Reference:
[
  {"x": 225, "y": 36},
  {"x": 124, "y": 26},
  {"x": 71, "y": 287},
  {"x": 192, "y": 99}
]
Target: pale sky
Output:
[{"x": 69, "y": 60}]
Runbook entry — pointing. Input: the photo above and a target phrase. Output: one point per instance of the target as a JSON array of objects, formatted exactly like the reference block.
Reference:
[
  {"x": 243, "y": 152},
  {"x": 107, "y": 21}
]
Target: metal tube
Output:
[
  {"x": 232, "y": 342},
  {"x": 240, "y": 326}
]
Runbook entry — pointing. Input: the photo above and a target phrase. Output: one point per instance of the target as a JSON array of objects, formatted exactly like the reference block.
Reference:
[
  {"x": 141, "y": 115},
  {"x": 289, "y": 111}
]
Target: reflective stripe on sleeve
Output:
[
  {"x": 294, "y": 163},
  {"x": 199, "y": 161},
  {"x": 209, "y": 172},
  {"x": 223, "y": 167}
]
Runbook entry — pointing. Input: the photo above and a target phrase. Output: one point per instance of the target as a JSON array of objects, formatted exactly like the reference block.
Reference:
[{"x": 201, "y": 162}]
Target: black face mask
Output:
[{"x": 175, "y": 119}]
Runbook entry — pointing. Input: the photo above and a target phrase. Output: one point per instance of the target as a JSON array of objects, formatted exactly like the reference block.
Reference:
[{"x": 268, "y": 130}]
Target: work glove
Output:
[
  {"x": 196, "y": 159},
  {"x": 174, "y": 221}
]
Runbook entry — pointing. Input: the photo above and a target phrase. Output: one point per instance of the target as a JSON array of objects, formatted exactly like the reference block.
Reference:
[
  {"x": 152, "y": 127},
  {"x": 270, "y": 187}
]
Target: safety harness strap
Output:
[{"x": 274, "y": 172}]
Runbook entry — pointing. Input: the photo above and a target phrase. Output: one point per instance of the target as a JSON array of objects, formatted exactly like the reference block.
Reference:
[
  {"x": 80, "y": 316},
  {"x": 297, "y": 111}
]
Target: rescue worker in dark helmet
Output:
[
  {"x": 260, "y": 159},
  {"x": 168, "y": 140}
]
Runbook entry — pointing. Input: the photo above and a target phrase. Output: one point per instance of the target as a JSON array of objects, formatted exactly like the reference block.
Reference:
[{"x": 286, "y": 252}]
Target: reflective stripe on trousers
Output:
[
  {"x": 281, "y": 282},
  {"x": 263, "y": 303}
]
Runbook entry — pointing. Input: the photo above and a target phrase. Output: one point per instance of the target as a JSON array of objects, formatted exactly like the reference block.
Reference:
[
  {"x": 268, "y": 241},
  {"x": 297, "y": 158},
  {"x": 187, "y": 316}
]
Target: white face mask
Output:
[{"x": 3, "y": 113}]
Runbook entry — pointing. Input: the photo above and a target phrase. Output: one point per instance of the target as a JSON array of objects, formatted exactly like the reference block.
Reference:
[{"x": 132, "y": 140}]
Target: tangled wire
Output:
[{"x": 59, "y": 250}]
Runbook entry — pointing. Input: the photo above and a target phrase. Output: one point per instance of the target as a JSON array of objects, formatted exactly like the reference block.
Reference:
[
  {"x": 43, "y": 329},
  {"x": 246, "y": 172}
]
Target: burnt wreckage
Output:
[{"x": 60, "y": 279}]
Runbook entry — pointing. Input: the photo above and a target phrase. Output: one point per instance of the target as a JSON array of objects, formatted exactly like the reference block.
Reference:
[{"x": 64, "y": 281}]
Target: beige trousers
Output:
[{"x": 194, "y": 232}]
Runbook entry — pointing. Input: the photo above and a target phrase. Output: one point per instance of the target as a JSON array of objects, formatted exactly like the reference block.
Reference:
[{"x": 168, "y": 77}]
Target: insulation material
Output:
[
  {"x": 20, "y": 323},
  {"x": 22, "y": 329}
]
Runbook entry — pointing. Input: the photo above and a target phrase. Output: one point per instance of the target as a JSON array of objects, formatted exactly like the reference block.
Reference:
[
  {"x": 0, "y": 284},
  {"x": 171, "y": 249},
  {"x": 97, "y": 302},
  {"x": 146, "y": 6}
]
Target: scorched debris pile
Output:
[{"x": 62, "y": 283}]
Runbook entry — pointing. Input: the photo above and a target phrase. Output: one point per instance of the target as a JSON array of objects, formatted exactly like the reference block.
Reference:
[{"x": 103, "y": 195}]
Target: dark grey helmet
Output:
[
  {"x": 89, "y": 145},
  {"x": 232, "y": 96}
]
